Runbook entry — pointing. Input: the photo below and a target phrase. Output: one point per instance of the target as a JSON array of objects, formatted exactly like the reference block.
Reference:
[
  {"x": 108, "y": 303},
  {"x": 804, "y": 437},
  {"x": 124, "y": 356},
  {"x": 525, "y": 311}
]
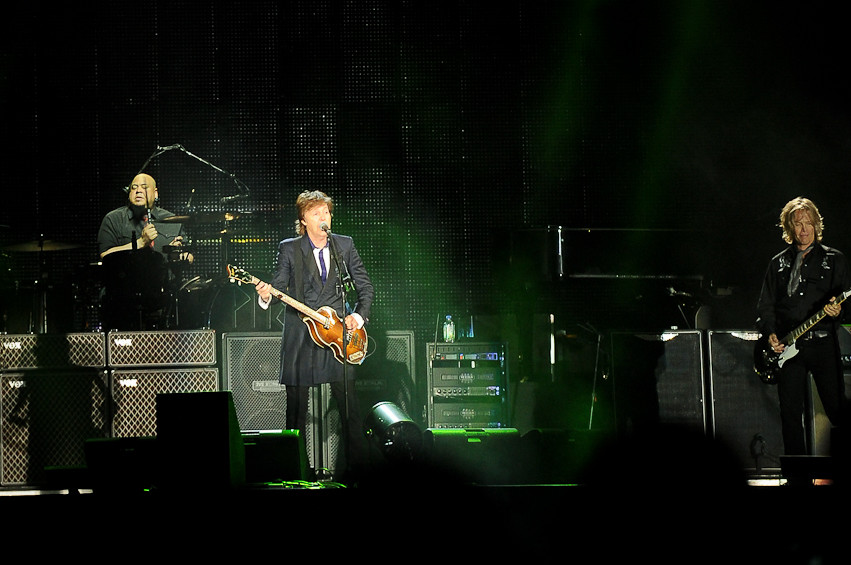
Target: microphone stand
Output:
[
  {"x": 242, "y": 189},
  {"x": 591, "y": 328},
  {"x": 342, "y": 286}
]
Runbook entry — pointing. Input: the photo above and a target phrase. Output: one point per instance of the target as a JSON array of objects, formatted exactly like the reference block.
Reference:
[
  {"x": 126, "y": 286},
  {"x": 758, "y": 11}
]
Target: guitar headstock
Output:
[{"x": 235, "y": 274}]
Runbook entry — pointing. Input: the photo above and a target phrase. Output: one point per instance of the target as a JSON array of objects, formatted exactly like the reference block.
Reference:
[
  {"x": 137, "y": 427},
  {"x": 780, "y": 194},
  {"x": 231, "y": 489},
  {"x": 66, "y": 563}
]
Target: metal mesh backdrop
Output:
[{"x": 438, "y": 128}]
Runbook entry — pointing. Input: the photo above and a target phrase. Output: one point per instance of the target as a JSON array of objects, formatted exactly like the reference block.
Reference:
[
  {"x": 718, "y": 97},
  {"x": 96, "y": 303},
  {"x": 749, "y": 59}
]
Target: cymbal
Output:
[
  {"x": 41, "y": 245},
  {"x": 204, "y": 218}
]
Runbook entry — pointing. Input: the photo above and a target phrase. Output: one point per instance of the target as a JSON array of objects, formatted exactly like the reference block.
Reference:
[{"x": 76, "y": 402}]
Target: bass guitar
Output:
[
  {"x": 767, "y": 362},
  {"x": 324, "y": 325}
]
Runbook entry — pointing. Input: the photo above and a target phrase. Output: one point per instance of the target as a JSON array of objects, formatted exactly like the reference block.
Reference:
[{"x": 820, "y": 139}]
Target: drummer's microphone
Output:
[
  {"x": 226, "y": 199},
  {"x": 148, "y": 220}
]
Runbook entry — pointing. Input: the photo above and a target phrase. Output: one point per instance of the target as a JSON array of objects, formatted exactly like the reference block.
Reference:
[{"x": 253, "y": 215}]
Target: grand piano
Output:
[{"x": 581, "y": 295}]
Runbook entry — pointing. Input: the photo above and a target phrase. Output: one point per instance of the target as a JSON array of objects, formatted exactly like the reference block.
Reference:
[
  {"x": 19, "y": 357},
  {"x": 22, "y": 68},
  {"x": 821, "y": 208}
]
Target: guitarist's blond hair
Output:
[
  {"x": 307, "y": 200},
  {"x": 787, "y": 216}
]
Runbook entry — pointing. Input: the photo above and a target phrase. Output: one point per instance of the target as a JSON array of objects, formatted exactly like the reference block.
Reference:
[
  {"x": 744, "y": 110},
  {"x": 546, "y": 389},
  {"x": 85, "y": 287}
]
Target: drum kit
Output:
[{"x": 108, "y": 295}]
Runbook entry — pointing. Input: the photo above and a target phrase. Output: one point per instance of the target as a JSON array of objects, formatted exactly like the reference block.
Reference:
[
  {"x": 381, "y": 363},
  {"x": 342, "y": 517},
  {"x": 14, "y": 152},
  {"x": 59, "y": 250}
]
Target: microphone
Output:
[
  {"x": 226, "y": 199},
  {"x": 673, "y": 292},
  {"x": 324, "y": 227},
  {"x": 149, "y": 220}
]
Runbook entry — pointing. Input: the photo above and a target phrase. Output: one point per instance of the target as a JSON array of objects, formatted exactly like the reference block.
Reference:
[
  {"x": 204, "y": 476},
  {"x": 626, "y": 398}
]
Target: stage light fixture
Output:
[{"x": 398, "y": 437}]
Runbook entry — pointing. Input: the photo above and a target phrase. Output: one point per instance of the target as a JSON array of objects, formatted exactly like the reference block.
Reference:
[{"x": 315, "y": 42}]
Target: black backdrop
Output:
[{"x": 663, "y": 136}]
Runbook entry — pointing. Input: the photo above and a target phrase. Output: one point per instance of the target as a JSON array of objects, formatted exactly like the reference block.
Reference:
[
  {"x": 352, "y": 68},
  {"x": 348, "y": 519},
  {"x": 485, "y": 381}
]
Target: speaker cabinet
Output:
[
  {"x": 745, "y": 411},
  {"x": 134, "y": 393},
  {"x": 198, "y": 441},
  {"x": 122, "y": 465},
  {"x": 480, "y": 456},
  {"x": 46, "y": 416},
  {"x": 251, "y": 363},
  {"x": 275, "y": 457},
  {"x": 658, "y": 379},
  {"x": 53, "y": 351},
  {"x": 184, "y": 348}
]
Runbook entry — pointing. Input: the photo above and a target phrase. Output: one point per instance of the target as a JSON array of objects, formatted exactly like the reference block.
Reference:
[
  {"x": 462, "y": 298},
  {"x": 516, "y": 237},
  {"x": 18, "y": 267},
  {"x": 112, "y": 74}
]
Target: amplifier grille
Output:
[
  {"x": 30, "y": 351},
  {"x": 134, "y": 393},
  {"x": 45, "y": 419},
  {"x": 162, "y": 348}
]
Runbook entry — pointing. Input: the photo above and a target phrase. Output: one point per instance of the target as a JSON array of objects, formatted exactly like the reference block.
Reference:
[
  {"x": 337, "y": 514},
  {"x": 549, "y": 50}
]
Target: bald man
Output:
[
  {"x": 133, "y": 226},
  {"x": 137, "y": 265}
]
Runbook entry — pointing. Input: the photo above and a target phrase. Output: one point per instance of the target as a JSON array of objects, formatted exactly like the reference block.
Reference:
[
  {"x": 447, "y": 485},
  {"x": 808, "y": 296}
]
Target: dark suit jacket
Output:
[{"x": 302, "y": 361}]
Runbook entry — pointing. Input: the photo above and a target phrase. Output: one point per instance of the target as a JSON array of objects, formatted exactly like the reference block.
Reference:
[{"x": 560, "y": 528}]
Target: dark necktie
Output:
[
  {"x": 795, "y": 277},
  {"x": 322, "y": 265}
]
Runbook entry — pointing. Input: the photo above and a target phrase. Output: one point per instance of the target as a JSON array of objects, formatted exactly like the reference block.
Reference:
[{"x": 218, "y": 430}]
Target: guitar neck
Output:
[
  {"x": 289, "y": 300},
  {"x": 792, "y": 336}
]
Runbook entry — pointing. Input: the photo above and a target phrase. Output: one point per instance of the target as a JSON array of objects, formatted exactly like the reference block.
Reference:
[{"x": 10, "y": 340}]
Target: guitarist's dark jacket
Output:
[
  {"x": 824, "y": 274},
  {"x": 302, "y": 361}
]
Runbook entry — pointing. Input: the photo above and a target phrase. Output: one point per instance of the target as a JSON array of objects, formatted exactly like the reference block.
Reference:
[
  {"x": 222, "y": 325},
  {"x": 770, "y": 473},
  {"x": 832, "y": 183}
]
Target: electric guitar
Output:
[
  {"x": 767, "y": 362},
  {"x": 325, "y": 327}
]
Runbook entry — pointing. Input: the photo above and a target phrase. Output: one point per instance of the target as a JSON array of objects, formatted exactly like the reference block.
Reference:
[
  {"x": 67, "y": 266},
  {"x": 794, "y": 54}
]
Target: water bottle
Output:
[{"x": 448, "y": 330}]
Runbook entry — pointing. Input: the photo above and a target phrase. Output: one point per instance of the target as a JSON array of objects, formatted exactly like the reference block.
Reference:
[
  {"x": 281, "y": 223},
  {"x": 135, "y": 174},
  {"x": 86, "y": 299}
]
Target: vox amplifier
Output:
[
  {"x": 52, "y": 351},
  {"x": 161, "y": 348}
]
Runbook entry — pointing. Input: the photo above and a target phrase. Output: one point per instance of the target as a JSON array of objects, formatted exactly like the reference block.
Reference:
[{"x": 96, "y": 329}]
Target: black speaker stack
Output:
[
  {"x": 700, "y": 381},
  {"x": 57, "y": 391}
]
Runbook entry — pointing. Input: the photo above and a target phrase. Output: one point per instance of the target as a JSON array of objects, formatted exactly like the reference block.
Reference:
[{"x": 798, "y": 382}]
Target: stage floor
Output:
[{"x": 770, "y": 521}]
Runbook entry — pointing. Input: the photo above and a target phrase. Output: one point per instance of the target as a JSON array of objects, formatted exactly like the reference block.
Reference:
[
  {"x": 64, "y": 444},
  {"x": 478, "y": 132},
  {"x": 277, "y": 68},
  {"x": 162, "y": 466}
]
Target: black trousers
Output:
[
  {"x": 298, "y": 400},
  {"x": 820, "y": 358}
]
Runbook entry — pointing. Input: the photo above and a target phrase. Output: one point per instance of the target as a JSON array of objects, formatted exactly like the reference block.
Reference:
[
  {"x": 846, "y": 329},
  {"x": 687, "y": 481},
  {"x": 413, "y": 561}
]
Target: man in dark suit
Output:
[{"x": 320, "y": 269}]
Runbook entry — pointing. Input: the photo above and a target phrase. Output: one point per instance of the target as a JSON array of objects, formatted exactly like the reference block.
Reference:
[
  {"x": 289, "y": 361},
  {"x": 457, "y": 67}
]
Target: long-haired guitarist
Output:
[
  {"x": 803, "y": 282},
  {"x": 306, "y": 270}
]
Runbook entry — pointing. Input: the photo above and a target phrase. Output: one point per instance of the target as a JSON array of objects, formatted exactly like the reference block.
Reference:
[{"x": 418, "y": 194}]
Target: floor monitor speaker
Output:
[{"x": 199, "y": 442}]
